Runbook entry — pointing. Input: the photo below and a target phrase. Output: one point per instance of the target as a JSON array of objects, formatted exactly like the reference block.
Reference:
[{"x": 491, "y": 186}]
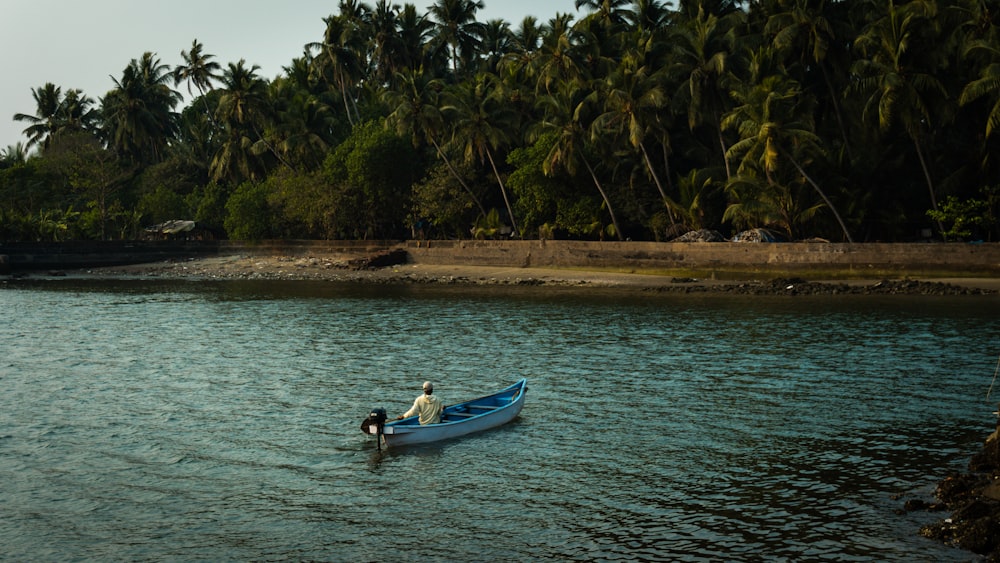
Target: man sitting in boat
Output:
[{"x": 427, "y": 406}]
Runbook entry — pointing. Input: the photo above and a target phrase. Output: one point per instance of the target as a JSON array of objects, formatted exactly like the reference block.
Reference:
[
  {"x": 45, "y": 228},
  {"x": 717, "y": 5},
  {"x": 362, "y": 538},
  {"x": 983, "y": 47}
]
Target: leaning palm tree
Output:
[
  {"x": 896, "y": 87},
  {"x": 418, "y": 114},
  {"x": 774, "y": 121},
  {"x": 344, "y": 47},
  {"x": 198, "y": 70},
  {"x": 810, "y": 30},
  {"x": 566, "y": 114},
  {"x": 700, "y": 65},
  {"x": 632, "y": 102},
  {"x": 482, "y": 125}
]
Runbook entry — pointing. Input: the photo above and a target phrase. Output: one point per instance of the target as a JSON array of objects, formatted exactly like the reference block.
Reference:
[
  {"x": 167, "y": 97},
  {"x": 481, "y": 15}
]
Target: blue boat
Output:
[{"x": 460, "y": 419}]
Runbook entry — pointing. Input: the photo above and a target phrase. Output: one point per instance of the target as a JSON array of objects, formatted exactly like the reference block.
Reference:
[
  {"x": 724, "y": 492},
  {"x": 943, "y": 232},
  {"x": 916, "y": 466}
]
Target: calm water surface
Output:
[{"x": 151, "y": 420}]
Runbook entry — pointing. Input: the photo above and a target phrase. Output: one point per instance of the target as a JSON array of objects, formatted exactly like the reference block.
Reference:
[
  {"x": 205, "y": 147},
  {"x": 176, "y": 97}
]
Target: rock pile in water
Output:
[{"x": 973, "y": 499}]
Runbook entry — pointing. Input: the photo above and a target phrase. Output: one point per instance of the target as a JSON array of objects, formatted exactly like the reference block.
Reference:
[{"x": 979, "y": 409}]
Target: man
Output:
[{"x": 427, "y": 406}]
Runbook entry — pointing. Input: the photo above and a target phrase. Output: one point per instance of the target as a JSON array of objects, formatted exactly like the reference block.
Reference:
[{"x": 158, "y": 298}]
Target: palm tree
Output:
[
  {"x": 243, "y": 108},
  {"x": 702, "y": 48},
  {"x": 894, "y": 86},
  {"x": 417, "y": 113},
  {"x": 695, "y": 192},
  {"x": 612, "y": 14},
  {"x": 386, "y": 42},
  {"x": 557, "y": 26},
  {"x": 303, "y": 128},
  {"x": 632, "y": 102},
  {"x": 558, "y": 61},
  {"x": 528, "y": 35},
  {"x": 774, "y": 120},
  {"x": 482, "y": 124},
  {"x": 344, "y": 47},
  {"x": 648, "y": 16},
  {"x": 45, "y": 122},
  {"x": 138, "y": 113},
  {"x": 198, "y": 70},
  {"x": 497, "y": 42},
  {"x": 988, "y": 84},
  {"x": 807, "y": 28},
  {"x": 77, "y": 112},
  {"x": 13, "y": 155},
  {"x": 457, "y": 30},
  {"x": 414, "y": 29},
  {"x": 567, "y": 115},
  {"x": 57, "y": 114}
]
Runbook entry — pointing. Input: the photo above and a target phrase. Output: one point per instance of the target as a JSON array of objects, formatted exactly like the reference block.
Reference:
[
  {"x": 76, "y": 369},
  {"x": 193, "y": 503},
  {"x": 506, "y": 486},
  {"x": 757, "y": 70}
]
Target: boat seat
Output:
[
  {"x": 484, "y": 407},
  {"x": 459, "y": 414}
]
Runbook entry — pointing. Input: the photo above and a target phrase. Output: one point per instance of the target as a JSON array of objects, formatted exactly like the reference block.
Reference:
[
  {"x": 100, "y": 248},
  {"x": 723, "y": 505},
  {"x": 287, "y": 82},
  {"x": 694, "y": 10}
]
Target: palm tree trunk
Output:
[
  {"x": 722, "y": 145},
  {"x": 274, "y": 151},
  {"x": 656, "y": 178},
  {"x": 503, "y": 190},
  {"x": 611, "y": 211},
  {"x": 930, "y": 184},
  {"x": 836, "y": 110},
  {"x": 343, "y": 94},
  {"x": 665, "y": 142},
  {"x": 822, "y": 195},
  {"x": 208, "y": 110},
  {"x": 357, "y": 113},
  {"x": 457, "y": 177}
]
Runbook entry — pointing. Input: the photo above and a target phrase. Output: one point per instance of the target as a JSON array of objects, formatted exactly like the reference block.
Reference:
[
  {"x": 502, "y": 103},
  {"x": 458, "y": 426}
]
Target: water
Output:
[{"x": 220, "y": 421}]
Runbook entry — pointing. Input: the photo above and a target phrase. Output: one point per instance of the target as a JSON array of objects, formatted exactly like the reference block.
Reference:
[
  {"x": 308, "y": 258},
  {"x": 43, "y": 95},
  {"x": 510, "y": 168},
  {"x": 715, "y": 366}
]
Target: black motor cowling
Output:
[{"x": 374, "y": 422}]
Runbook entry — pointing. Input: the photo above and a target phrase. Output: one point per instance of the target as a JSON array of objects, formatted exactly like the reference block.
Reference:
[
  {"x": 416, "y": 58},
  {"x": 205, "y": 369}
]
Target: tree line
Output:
[{"x": 848, "y": 120}]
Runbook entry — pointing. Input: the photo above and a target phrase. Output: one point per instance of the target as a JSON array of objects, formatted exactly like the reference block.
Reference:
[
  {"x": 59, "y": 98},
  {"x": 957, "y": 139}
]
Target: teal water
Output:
[{"x": 189, "y": 421}]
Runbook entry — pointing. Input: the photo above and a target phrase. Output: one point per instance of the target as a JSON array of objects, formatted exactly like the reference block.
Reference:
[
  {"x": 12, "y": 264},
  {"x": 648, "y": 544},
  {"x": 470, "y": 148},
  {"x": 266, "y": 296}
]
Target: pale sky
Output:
[{"x": 82, "y": 45}]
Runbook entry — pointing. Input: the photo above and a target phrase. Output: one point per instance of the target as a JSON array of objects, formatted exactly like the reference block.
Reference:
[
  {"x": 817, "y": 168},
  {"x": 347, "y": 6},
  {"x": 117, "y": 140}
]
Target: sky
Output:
[{"x": 83, "y": 45}]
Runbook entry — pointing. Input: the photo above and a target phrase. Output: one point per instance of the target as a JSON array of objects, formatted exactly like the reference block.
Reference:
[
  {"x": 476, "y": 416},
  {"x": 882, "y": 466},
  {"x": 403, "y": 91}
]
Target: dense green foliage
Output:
[{"x": 853, "y": 120}]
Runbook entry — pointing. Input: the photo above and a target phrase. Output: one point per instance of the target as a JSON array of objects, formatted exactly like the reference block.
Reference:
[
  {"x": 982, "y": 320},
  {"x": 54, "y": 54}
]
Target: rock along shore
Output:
[{"x": 973, "y": 501}]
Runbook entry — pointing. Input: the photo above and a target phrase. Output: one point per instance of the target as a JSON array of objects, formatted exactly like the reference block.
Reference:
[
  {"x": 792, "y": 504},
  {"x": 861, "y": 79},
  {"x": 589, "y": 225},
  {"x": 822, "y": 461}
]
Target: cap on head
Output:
[{"x": 428, "y": 386}]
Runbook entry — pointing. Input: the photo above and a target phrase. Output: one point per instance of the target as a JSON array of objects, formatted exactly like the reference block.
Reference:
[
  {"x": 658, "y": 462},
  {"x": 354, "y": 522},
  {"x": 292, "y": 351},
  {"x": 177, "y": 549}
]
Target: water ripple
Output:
[{"x": 219, "y": 422}]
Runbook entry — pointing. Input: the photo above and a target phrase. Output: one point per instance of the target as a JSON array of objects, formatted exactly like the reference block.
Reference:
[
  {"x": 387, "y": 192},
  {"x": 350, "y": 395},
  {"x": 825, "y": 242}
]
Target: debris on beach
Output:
[
  {"x": 384, "y": 259},
  {"x": 757, "y": 235},
  {"x": 701, "y": 235}
]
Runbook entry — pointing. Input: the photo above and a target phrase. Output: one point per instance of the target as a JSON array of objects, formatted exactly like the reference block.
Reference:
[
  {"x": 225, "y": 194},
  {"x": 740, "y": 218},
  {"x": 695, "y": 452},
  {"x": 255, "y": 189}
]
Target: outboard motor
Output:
[{"x": 374, "y": 424}]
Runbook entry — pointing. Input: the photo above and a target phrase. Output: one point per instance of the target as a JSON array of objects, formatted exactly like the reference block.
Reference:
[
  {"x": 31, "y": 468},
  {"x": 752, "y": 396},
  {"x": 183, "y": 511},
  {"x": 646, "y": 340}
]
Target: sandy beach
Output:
[{"x": 333, "y": 269}]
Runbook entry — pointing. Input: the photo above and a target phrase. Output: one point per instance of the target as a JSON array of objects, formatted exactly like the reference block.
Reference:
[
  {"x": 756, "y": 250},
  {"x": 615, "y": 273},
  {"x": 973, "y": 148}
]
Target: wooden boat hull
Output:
[{"x": 460, "y": 419}]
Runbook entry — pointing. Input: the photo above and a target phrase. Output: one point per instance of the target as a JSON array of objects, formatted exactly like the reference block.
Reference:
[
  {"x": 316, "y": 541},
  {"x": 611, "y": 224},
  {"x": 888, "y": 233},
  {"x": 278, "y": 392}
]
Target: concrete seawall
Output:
[
  {"x": 724, "y": 260},
  {"x": 721, "y": 260}
]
